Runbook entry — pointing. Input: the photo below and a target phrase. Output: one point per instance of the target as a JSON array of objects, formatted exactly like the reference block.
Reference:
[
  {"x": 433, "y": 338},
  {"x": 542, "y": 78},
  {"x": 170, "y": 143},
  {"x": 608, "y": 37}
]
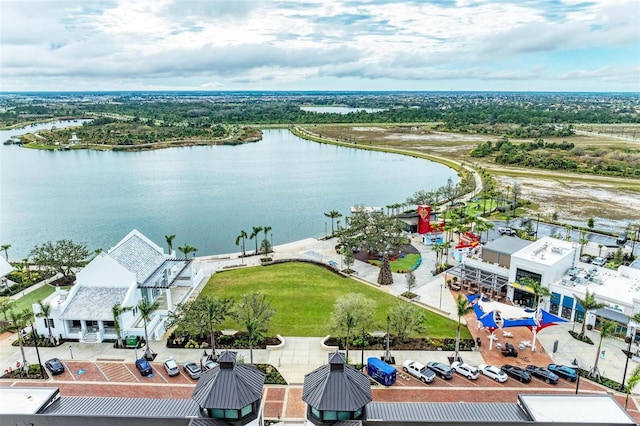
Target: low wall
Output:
[
  {"x": 326, "y": 347},
  {"x": 281, "y": 345}
]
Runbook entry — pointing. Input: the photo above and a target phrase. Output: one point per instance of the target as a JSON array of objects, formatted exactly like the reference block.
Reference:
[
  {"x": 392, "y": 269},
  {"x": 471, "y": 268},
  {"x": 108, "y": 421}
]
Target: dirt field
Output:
[{"x": 574, "y": 197}]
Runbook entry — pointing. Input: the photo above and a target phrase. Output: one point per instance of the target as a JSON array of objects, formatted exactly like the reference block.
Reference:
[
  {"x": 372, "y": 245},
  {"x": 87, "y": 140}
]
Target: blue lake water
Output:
[{"x": 204, "y": 195}]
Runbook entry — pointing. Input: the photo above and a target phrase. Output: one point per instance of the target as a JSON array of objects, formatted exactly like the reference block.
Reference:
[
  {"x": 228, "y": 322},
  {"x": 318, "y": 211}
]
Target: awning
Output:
[
  {"x": 579, "y": 308},
  {"x": 555, "y": 298},
  {"x": 523, "y": 287},
  {"x": 567, "y": 302},
  {"x": 612, "y": 315}
]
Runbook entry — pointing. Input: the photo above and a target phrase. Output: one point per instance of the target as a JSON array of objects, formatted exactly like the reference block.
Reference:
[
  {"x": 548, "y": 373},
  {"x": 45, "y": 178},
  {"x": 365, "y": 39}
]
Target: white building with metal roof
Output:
[{"x": 134, "y": 269}]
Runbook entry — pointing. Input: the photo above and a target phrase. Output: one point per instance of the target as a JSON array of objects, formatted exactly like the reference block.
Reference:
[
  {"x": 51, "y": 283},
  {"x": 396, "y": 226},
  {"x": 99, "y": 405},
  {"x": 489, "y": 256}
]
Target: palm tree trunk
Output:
[
  {"x": 51, "y": 339},
  {"x": 251, "y": 350},
  {"x": 457, "y": 349},
  {"x": 24, "y": 357},
  {"x": 213, "y": 342},
  {"x": 147, "y": 351},
  {"x": 594, "y": 371}
]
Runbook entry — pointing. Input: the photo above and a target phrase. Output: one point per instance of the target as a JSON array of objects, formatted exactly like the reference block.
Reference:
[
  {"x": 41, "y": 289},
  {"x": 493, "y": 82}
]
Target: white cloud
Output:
[{"x": 173, "y": 42}]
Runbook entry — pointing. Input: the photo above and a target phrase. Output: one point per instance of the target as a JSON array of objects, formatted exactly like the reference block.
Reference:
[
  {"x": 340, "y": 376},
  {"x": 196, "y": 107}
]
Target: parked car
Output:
[
  {"x": 509, "y": 350},
  {"x": 192, "y": 369},
  {"x": 599, "y": 261},
  {"x": 441, "y": 369},
  {"x": 55, "y": 366},
  {"x": 493, "y": 372},
  {"x": 505, "y": 231},
  {"x": 209, "y": 365},
  {"x": 468, "y": 371},
  {"x": 543, "y": 374},
  {"x": 143, "y": 366},
  {"x": 419, "y": 371},
  {"x": 517, "y": 373},
  {"x": 171, "y": 367},
  {"x": 622, "y": 239},
  {"x": 563, "y": 371},
  {"x": 585, "y": 258}
]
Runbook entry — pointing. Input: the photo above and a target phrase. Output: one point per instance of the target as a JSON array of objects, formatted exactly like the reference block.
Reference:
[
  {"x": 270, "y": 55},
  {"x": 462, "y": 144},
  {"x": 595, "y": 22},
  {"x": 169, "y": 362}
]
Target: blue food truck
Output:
[{"x": 381, "y": 372}]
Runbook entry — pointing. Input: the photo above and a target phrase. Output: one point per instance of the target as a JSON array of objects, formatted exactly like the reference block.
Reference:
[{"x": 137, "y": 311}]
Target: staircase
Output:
[{"x": 91, "y": 338}]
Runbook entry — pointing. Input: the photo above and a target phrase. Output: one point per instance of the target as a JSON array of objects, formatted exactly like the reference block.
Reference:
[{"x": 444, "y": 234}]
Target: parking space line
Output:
[
  {"x": 134, "y": 375},
  {"x": 157, "y": 372},
  {"x": 101, "y": 372},
  {"x": 66, "y": 367}
]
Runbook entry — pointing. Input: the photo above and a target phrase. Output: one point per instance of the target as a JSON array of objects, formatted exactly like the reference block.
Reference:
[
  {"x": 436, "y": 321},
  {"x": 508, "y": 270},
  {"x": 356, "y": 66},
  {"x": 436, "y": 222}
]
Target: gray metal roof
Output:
[
  {"x": 94, "y": 303},
  {"x": 156, "y": 278},
  {"x": 336, "y": 386},
  {"x": 446, "y": 411},
  {"x": 506, "y": 245},
  {"x": 229, "y": 385},
  {"x": 207, "y": 422},
  {"x": 123, "y": 407},
  {"x": 137, "y": 256}
]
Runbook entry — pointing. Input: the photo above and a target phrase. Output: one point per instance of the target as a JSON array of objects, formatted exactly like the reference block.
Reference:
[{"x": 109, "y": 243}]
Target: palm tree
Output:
[
  {"x": 255, "y": 313},
  {"x": 607, "y": 328},
  {"x": 588, "y": 303},
  {"x": 334, "y": 214},
  {"x": 19, "y": 320},
  {"x": 242, "y": 236},
  {"x": 5, "y": 248},
  {"x": 266, "y": 230},
  {"x": 462, "y": 308},
  {"x": 169, "y": 239},
  {"x": 6, "y": 304},
  {"x": 539, "y": 291},
  {"x": 45, "y": 312},
  {"x": 117, "y": 310},
  {"x": 567, "y": 236},
  {"x": 254, "y": 234},
  {"x": 631, "y": 383},
  {"x": 146, "y": 309},
  {"x": 186, "y": 250},
  {"x": 582, "y": 241},
  {"x": 215, "y": 312}
]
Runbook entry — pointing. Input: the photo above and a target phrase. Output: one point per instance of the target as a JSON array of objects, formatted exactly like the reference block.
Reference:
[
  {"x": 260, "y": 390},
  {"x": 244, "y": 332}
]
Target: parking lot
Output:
[{"x": 117, "y": 371}]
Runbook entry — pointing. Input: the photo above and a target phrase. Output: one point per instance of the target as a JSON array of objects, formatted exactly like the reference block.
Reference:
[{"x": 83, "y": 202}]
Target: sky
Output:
[{"x": 360, "y": 45}]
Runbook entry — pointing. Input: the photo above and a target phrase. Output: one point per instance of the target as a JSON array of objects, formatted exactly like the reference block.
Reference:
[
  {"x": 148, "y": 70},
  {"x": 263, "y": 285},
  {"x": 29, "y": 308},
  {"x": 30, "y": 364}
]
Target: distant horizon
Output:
[{"x": 329, "y": 91}]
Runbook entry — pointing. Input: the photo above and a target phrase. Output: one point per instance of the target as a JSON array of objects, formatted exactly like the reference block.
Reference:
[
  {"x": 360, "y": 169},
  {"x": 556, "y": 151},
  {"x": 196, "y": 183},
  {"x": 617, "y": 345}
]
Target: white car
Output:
[
  {"x": 171, "y": 367},
  {"x": 209, "y": 365},
  {"x": 419, "y": 371},
  {"x": 468, "y": 371},
  {"x": 493, "y": 372}
]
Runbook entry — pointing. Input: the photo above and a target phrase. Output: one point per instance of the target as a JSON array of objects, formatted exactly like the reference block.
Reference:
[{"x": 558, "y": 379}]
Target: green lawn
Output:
[
  {"x": 33, "y": 297},
  {"x": 303, "y": 296},
  {"x": 402, "y": 263}
]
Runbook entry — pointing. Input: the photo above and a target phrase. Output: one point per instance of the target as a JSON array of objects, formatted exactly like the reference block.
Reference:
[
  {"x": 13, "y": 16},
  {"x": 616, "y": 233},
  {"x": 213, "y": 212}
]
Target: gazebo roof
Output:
[
  {"x": 229, "y": 385},
  {"x": 336, "y": 386}
]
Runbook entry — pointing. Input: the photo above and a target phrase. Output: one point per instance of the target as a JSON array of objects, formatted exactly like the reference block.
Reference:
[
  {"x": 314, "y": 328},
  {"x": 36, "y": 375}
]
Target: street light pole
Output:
[
  {"x": 70, "y": 351},
  {"x": 440, "y": 305}
]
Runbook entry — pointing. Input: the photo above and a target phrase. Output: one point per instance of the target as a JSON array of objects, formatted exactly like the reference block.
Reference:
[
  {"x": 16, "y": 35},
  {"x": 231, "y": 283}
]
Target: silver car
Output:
[
  {"x": 192, "y": 369},
  {"x": 171, "y": 367}
]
